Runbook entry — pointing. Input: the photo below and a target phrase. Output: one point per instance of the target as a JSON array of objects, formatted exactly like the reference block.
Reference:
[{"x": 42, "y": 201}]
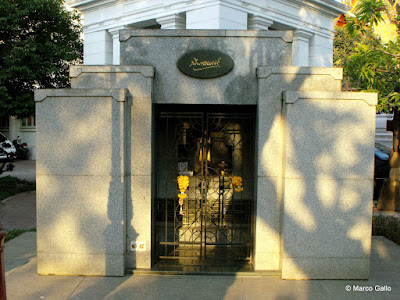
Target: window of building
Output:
[{"x": 28, "y": 124}]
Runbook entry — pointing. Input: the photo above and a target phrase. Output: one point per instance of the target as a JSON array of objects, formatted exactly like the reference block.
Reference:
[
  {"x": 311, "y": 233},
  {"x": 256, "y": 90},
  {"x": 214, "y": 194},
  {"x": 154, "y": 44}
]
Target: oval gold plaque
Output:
[{"x": 205, "y": 64}]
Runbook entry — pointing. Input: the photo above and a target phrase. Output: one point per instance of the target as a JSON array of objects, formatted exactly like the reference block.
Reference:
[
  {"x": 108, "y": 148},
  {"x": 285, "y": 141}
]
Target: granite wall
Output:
[
  {"x": 314, "y": 156},
  {"x": 248, "y": 49},
  {"x": 81, "y": 181}
]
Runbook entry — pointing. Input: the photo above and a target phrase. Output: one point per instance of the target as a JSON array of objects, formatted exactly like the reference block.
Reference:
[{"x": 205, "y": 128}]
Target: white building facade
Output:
[{"x": 312, "y": 22}]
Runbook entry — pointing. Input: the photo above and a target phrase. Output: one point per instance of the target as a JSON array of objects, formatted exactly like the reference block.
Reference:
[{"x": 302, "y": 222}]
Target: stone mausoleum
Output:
[{"x": 216, "y": 151}]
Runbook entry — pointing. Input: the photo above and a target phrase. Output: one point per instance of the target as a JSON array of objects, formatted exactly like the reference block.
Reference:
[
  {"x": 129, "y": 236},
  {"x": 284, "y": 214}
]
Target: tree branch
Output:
[{"x": 388, "y": 53}]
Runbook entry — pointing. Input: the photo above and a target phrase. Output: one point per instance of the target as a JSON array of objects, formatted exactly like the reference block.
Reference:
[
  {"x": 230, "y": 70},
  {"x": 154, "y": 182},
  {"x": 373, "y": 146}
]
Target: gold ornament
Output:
[{"x": 182, "y": 196}]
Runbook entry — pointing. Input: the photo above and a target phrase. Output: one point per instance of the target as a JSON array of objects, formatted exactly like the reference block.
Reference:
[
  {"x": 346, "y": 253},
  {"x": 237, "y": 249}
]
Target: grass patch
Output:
[
  {"x": 10, "y": 186},
  {"x": 12, "y": 234}
]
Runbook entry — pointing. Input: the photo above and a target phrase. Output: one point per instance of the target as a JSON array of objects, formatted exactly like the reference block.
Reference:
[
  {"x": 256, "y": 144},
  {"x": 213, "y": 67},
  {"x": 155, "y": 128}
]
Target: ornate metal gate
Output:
[{"x": 204, "y": 197}]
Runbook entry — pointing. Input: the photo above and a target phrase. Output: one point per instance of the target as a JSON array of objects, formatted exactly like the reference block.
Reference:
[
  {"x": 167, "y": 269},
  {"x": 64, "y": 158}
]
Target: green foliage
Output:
[
  {"x": 369, "y": 13},
  {"x": 368, "y": 63},
  {"x": 345, "y": 46},
  {"x": 38, "y": 41},
  {"x": 10, "y": 186},
  {"x": 12, "y": 234}
]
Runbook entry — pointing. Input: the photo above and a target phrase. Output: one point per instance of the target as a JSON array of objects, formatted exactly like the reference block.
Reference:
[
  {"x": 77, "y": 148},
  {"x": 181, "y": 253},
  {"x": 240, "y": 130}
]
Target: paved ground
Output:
[
  {"x": 19, "y": 211},
  {"x": 23, "y": 282},
  {"x": 24, "y": 169}
]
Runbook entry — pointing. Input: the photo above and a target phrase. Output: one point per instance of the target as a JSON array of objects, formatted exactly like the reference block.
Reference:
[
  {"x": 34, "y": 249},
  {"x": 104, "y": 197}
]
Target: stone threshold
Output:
[{"x": 276, "y": 274}]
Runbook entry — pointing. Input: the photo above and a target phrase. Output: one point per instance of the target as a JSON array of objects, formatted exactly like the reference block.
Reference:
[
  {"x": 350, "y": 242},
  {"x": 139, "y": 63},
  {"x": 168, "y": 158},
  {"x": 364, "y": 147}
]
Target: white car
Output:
[{"x": 7, "y": 149}]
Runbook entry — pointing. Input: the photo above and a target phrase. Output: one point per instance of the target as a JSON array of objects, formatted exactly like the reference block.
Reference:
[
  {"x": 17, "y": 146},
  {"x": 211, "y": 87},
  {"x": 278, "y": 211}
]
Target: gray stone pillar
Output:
[
  {"x": 139, "y": 82},
  {"x": 81, "y": 181},
  {"x": 327, "y": 211},
  {"x": 272, "y": 81}
]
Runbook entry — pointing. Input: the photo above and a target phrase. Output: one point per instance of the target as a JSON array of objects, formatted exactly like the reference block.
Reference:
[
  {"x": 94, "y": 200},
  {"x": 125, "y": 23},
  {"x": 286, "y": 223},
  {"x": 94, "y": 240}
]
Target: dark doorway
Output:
[{"x": 204, "y": 188}]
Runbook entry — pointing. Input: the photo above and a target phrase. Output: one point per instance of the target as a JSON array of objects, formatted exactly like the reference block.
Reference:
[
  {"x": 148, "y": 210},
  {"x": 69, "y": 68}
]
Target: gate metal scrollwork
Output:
[{"x": 213, "y": 224}]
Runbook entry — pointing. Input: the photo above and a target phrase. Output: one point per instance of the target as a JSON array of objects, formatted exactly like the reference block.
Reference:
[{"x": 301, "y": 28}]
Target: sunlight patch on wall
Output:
[
  {"x": 272, "y": 145},
  {"x": 296, "y": 208},
  {"x": 359, "y": 231},
  {"x": 327, "y": 191},
  {"x": 349, "y": 198}
]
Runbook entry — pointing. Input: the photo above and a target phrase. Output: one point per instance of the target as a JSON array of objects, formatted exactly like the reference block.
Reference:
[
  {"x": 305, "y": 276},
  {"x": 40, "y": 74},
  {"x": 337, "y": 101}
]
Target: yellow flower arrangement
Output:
[
  {"x": 183, "y": 183},
  {"x": 237, "y": 183}
]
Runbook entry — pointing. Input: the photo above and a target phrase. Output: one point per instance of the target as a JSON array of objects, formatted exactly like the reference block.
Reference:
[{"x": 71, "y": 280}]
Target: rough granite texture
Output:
[
  {"x": 138, "y": 80},
  {"x": 81, "y": 182},
  {"x": 325, "y": 268},
  {"x": 89, "y": 264},
  {"x": 86, "y": 130},
  {"x": 139, "y": 222},
  {"x": 163, "y": 48},
  {"x": 314, "y": 154},
  {"x": 272, "y": 82},
  {"x": 328, "y": 183}
]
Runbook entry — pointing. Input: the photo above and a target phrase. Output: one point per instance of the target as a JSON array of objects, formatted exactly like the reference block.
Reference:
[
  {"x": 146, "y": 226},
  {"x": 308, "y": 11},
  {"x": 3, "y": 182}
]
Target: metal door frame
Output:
[{"x": 202, "y": 114}]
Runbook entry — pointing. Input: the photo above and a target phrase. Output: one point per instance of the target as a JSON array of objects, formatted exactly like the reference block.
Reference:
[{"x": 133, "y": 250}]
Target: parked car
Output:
[
  {"x": 382, "y": 167},
  {"x": 7, "y": 154}
]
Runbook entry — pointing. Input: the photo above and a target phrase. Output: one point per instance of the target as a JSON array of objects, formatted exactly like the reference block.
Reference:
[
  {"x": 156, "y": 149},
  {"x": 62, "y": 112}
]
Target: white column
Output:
[
  {"x": 321, "y": 51},
  {"x": 258, "y": 23},
  {"x": 216, "y": 17},
  {"x": 175, "y": 21},
  {"x": 98, "y": 48},
  {"x": 116, "y": 45},
  {"x": 14, "y": 126},
  {"x": 301, "y": 48}
]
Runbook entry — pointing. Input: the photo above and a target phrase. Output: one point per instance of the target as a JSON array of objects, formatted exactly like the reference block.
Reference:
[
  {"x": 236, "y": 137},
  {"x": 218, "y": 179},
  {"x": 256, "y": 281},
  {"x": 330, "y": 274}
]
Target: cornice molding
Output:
[
  {"x": 291, "y": 97},
  {"x": 145, "y": 71},
  {"x": 119, "y": 95},
  {"x": 286, "y": 36},
  {"x": 262, "y": 10},
  {"x": 265, "y": 72}
]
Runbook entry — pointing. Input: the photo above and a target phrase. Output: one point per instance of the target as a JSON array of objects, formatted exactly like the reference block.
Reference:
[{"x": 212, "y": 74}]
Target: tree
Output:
[
  {"x": 372, "y": 64},
  {"x": 345, "y": 51},
  {"x": 375, "y": 66},
  {"x": 39, "y": 39}
]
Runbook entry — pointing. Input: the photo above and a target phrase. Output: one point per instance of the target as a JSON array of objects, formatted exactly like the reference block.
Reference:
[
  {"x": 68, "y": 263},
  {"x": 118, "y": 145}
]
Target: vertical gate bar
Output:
[
  {"x": 176, "y": 173},
  {"x": 175, "y": 225},
  {"x": 220, "y": 211},
  {"x": 250, "y": 214},
  {"x": 166, "y": 195},
  {"x": 233, "y": 190},
  {"x": 201, "y": 188},
  {"x": 205, "y": 191},
  {"x": 176, "y": 133}
]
